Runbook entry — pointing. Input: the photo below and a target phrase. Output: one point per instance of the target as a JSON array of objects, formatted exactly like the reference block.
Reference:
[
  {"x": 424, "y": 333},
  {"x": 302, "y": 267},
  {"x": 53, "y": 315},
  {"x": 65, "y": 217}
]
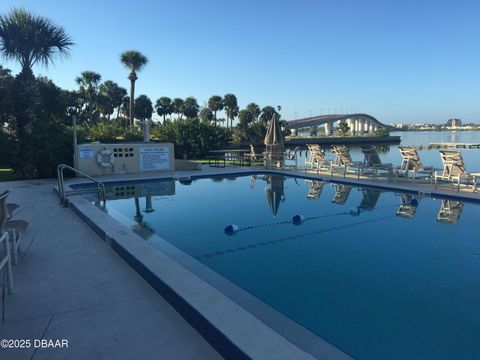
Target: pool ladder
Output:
[{"x": 61, "y": 185}]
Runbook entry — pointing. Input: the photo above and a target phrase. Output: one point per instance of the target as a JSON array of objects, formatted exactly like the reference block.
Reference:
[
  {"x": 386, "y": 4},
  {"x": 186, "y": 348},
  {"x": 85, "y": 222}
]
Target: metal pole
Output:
[
  {"x": 75, "y": 142},
  {"x": 146, "y": 131}
]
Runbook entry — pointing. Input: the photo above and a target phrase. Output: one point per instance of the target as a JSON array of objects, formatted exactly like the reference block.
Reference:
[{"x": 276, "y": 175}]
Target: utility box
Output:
[{"x": 97, "y": 159}]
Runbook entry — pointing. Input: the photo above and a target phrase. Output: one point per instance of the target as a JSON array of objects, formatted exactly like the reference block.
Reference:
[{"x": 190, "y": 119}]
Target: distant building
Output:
[{"x": 454, "y": 123}]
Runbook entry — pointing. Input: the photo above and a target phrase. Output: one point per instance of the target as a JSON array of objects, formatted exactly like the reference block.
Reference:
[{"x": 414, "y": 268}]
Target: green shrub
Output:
[
  {"x": 193, "y": 138},
  {"x": 6, "y": 149},
  {"x": 381, "y": 132},
  {"x": 39, "y": 153}
]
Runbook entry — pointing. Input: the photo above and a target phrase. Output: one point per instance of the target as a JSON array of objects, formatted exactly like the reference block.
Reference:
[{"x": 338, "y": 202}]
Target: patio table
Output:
[{"x": 218, "y": 158}]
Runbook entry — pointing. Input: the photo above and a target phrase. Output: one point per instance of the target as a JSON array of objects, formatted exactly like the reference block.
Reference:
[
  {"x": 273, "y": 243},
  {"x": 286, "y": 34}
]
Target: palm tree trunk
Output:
[{"x": 132, "y": 100}]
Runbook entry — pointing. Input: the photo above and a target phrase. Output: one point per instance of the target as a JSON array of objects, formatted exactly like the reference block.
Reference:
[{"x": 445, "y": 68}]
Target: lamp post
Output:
[{"x": 73, "y": 113}]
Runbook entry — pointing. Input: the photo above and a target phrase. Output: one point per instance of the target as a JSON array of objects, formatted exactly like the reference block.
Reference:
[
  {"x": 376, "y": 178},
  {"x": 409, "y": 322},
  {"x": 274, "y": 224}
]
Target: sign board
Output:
[
  {"x": 85, "y": 153},
  {"x": 154, "y": 158}
]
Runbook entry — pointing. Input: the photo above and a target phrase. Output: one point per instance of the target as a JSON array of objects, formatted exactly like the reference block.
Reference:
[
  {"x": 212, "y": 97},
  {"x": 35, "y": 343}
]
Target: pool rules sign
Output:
[{"x": 154, "y": 158}]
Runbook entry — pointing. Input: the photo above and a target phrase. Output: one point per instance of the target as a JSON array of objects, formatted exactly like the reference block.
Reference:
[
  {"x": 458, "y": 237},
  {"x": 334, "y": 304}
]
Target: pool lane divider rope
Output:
[
  {"x": 297, "y": 219},
  {"x": 292, "y": 237}
]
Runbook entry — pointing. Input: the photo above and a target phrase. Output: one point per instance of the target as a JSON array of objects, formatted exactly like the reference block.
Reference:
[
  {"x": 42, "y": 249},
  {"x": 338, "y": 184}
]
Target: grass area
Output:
[{"x": 8, "y": 175}]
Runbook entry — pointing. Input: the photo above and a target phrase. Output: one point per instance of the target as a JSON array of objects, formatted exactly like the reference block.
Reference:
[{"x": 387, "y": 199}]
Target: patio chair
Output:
[
  {"x": 408, "y": 206},
  {"x": 450, "y": 211},
  {"x": 411, "y": 163},
  {"x": 5, "y": 258},
  {"x": 454, "y": 170},
  {"x": 12, "y": 227},
  {"x": 317, "y": 158},
  {"x": 342, "y": 192},
  {"x": 372, "y": 161},
  {"x": 314, "y": 189},
  {"x": 254, "y": 157},
  {"x": 343, "y": 161}
]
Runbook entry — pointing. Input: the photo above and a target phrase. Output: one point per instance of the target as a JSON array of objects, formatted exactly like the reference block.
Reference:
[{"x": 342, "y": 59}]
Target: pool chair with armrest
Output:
[
  {"x": 5, "y": 256},
  {"x": 12, "y": 227},
  {"x": 317, "y": 158},
  {"x": 254, "y": 157},
  {"x": 6, "y": 261},
  {"x": 373, "y": 163},
  {"x": 343, "y": 161},
  {"x": 411, "y": 163},
  {"x": 454, "y": 170}
]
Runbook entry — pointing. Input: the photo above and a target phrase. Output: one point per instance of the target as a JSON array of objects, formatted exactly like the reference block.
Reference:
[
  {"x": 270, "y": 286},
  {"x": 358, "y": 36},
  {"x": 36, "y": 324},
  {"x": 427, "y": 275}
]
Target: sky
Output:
[{"x": 399, "y": 61}]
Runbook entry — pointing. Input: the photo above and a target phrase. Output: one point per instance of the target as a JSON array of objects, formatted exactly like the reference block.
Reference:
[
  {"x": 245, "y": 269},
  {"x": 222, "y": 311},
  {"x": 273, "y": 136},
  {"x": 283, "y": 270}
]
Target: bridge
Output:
[{"x": 358, "y": 124}]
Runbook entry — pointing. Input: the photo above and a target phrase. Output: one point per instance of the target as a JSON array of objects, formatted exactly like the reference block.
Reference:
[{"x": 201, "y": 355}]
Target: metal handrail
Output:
[{"x": 61, "y": 183}]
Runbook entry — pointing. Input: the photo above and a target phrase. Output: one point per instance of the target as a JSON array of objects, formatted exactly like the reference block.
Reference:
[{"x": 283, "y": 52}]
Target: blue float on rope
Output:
[
  {"x": 231, "y": 229},
  {"x": 298, "y": 219}
]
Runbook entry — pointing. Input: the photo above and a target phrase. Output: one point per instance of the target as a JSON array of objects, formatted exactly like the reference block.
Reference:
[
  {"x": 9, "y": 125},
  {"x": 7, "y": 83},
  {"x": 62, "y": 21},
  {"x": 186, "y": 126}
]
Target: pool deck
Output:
[{"x": 69, "y": 284}]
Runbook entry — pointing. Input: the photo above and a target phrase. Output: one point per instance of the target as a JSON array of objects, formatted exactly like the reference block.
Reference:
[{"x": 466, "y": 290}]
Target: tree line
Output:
[{"x": 37, "y": 113}]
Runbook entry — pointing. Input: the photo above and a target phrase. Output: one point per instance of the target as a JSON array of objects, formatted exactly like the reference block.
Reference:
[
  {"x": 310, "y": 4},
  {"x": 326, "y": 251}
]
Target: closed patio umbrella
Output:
[{"x": 274, "y": 142}]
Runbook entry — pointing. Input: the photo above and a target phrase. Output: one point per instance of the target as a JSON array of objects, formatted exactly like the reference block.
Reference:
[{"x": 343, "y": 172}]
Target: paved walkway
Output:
[{"x": 70, "y": 285}]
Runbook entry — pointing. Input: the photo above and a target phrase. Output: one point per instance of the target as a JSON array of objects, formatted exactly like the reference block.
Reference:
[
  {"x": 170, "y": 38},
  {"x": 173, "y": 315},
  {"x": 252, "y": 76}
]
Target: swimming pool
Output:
[{"x": 377, "y": 274}]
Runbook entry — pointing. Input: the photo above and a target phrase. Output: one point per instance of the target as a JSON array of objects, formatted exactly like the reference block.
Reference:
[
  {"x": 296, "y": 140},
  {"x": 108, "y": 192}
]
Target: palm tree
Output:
[
  {"x": 164, "y": 107},
  {"x": 89, "y": 82},
  {"x": 215, "y": 103},
  {"x": 190, "y": 107},
  {"x": 31, "y": 39},
  {"x": 267, "y": 114},
  {"x": 254, "y": 109},
  {"x": 177, "y": 105},
  {"x": 134, "y": 61},
  {"x": 231, "y": 107},
  {"x": 114, "y": 93}
]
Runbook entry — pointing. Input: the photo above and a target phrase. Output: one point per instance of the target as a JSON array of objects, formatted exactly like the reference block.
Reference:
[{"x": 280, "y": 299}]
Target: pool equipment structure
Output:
[{"x": 96, "y": 159}]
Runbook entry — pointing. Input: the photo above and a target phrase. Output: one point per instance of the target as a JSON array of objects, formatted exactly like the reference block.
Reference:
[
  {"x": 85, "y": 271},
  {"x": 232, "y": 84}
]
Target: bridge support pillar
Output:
[
  {"x": 313, "y": 131},
  {"x": 358, "y": 127},
  {"x": 294, "y": 132},
  {"x": 329, "y": 129},
  {"x": 361, "y": 127},
  {"x": 351, "y": 124}
]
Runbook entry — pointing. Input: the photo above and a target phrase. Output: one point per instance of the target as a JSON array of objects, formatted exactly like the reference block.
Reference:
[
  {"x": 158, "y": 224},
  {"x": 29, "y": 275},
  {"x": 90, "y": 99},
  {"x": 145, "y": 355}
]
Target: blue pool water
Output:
[{"x": 377, "y": 274}]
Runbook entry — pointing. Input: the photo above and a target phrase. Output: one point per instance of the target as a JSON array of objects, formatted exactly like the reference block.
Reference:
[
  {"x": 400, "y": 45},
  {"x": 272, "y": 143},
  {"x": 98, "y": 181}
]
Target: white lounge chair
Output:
[
  {"x": 317, "y": 158},
  {"x": 343, "y": 161},
  {"x": 454, "y": 170},
  {"x": 372, "y": 162},
  {"x": 411, "y": 163}
]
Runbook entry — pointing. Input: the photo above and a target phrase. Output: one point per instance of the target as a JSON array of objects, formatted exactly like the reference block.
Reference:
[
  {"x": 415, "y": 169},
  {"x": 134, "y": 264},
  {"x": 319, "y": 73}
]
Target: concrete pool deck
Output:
[{"x": 70, "y": 285}]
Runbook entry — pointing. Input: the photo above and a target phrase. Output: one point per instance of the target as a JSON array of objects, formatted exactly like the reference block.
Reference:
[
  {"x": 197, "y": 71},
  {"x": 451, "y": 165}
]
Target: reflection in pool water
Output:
[{"x": 381, "y": 275}]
